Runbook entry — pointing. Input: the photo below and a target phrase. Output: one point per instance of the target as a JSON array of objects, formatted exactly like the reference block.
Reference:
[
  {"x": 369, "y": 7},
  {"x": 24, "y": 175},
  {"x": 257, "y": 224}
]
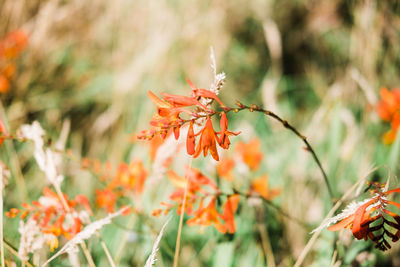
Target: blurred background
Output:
[{"x": 318, "y": 64}]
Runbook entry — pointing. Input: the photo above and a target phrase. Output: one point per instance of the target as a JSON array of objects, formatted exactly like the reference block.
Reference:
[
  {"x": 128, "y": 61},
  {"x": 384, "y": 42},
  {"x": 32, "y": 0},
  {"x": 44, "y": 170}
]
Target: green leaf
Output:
[{"x": 224, "y": 255}]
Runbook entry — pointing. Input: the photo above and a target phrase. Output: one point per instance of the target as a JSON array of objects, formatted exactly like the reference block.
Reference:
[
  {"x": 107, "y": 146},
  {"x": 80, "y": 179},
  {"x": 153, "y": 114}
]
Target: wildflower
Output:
[
  {"x": 183, "y": 101},
  {"x": 86, "y": 233},
  {"x": 4, "y": 84},
  {"x": 208, "y": 216},
  {"x": 177, "y": 196},
  {"x": 196, "y": 181},
  {"x": 229, "y": 210},
  {"x": 370, "y": 219},
  {"x": 389, "y": 110},
  {"x": 10, "y": 47},
  {"x": 106, "y": 199},
  {"x": 131, "y": 177},
  {"x": 196, "y": 92},
  {"x": 250, "y": 153},
  {"x": 168, "y": 117},
  {"x": 13, "y": 44},
  {"x": 47, "y": 219},
  {"x": 223, "y": 140},
  {"x": 261, "y": 187},
  {"x": 190, "y": 140},
  {"x": 195, "y": 177},
  {"x": 225, "y": 168},
  {"x": 207, "y": 141}
]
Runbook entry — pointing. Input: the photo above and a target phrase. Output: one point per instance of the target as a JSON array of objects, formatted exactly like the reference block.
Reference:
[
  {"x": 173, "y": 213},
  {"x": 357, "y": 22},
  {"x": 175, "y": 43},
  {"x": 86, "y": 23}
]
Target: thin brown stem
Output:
[
  {"x": 265, "y": 241},
  {"x": 290, "y": 127},
  {"x": 178, "y": 237}
]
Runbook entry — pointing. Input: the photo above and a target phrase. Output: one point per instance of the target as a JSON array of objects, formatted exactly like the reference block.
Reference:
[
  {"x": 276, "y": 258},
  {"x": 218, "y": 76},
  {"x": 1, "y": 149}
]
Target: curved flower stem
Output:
[
  {"x": 288, "y": 126},
  {"x": 265, "y": 240},
  {"x": 285, "y": 124}
]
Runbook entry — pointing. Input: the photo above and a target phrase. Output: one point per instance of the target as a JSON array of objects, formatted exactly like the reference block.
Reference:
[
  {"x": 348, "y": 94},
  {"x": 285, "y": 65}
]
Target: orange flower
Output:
[
  {"x": 168, "y": 116},
  {"x": 195, "y": 177},
  {"x": 197, "y": 182},
  {"x": 10, "y": 47},
  {"x": 208, "y": 216},
  {"x": 357, "y": 222},
  {"x": 230, "y": 208},
  {"x": 178, "y": 196},
  {"x": 190, "y": 140},
  {"x": 250, "y": 153},
  {"x": 13, "y": 44},
  {"x": 106, "y": 199},
  {"x": 389, "y": 104},
  {"x": 198, "y": 92},
  {"x": 225, "y": 167},
  {"x": 260, "y": 186},
  {"x": 4, "y": 84},
  {"x": 50, "y": 213},
  {"x": 360, "y": 216},
  {"x": 207, "y": 141},
  {"x": 12, "y": 213},
  {"x": 223, "y": 140},
  {"x": 389, "y": 110},
  {"x": 154, "y": 144},
  {"x": 183, "y": 101},
  {"x": 130, "y": 176}
]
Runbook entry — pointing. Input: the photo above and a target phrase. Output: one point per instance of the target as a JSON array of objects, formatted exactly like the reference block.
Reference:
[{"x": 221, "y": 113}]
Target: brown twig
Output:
[
  {"x": 178, "y": 237},
  {"x": 290, "y": 127}
]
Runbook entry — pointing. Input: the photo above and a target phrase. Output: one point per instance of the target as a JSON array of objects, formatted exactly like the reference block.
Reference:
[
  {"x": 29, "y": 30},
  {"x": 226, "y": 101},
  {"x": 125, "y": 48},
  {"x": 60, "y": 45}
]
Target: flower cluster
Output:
[
  {"x": 389, "y": 111},
  {"x": 54, "y": 215},
  {"x": 170, "y": 110},
  {"x": 371, "y": 219},
  {"x": 129, "y": 178},
  {"x": 201, "y": 201},
  {"x": 10, "y": 47},
  {"x": 248, "y": 158}
]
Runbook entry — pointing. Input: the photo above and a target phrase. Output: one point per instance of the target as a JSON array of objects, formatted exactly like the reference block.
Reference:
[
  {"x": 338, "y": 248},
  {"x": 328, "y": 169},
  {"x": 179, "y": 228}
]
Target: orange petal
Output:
[
  {"x": 190, "y": 140},
  {"x": 342, "y": 224},
  {"x": 4, "y": 84},
  {"x": 177, "y": 180},
  {"x": 158, "y": 101},
  {"x": 230, "y": 208},
  {"x": 357, "y": 229}
]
